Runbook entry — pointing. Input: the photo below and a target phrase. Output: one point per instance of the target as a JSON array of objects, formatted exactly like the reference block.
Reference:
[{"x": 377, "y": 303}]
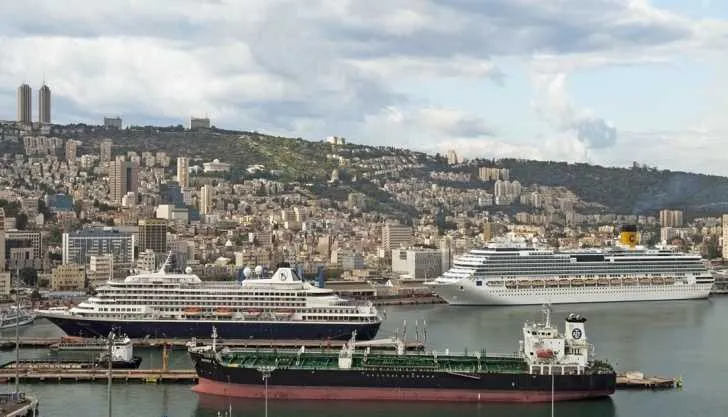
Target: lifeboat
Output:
[
  {"x": 564, "y": 282},
  {"x": 615, "y": 281},
  {"x": 255, "y": 312},
  {"x": 223, "y": 311},
  {"x": 192, "y": 310},
  {"x": 545, "y": 353},
  {"x": 552, "y": 282},
  {"x": 590, "y": 282},
  {"x": 538, "y": 283},
  {"x": 284, "y": 313},
  {"x": 577, "y": 282},
  {"x": 510, "y": 284},
  {"x": 602, "y": 281},
  {"x": 645, "y": 281},
  {"x": 658, "y": 281},
  {"x": 524, "y": 283},
  {"x": 629, "y": 281},
  {"x": 669, "y": 281}
]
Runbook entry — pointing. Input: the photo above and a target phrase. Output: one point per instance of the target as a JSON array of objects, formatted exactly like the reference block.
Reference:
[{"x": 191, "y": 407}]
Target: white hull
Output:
[
  {"x": 465, "y": 292},
  {"x": 23, "y": 322}
]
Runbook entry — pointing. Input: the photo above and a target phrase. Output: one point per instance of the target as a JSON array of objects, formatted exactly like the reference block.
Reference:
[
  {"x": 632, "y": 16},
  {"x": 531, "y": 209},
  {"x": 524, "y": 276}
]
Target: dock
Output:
[
  {"x": 55, "y": 342},
  {"x": 637, "y": 380},
  {"x": 18, "y": 405},
  {"x": 148, "y": 376}
]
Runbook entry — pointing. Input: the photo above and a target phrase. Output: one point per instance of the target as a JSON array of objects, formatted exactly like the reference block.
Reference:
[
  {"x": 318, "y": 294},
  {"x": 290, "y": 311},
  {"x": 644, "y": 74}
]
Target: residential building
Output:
[
  {"x": 23, "y": 249},
  {"x": 101, "y": 268},
  {"x": 206, "y": 202},
  {"x": 346, "y": 259},
  {"x": 44, "y": 105},
  {"x": 671, "y": 218},
  {"x": 215, "y": 166},
  {"x": 153, "y": 235},
  {"x": 71, "y": 150},
  {"x": 79, "y": 246},
  {"x": 105, "y": 150},
  {"x": 724, "y": 220},
  {"x": 5, "y": 283},
  {"x": 25, "y": 100},
  {"x": 199, "y": 123},
  {"x": 123, "y": 179},
  {"x": 183, "y": 171},
  {"x": 112, "y": 122},
  {"x": 69, "y": 277},
  {"x": 419, "y": 263},
  {"x": 395, "y": 236}
]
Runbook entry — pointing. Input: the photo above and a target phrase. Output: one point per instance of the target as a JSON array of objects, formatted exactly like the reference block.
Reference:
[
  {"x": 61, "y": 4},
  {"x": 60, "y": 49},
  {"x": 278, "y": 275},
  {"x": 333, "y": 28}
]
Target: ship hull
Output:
[
  {"x": 185, "y": 329},
  {"x": 465, "y": 292},
  {"x": 402, "y": 385}
]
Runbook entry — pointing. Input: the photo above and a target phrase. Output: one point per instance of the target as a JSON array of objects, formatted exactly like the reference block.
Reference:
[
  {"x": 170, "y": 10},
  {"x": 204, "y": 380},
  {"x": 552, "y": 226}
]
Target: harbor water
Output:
[{"x": 672, "y": 338}]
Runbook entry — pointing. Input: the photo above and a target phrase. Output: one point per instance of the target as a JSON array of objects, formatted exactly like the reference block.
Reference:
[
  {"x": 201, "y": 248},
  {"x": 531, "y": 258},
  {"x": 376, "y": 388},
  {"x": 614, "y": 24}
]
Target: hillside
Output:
[
  {"x": 634, "y": 190},
  {"x": 622, "y": 190}
]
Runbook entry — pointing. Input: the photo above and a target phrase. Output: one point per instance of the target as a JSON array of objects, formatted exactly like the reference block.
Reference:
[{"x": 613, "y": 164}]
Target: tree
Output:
[
  {"x": 29, "y": 276},
  {"x": 56, "y": 236},
  {"x": 21, "y": 221}
]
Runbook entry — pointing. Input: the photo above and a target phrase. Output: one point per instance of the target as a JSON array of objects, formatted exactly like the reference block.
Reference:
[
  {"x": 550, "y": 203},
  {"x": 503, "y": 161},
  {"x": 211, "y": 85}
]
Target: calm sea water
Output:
[{"x": 665, "y": 338}]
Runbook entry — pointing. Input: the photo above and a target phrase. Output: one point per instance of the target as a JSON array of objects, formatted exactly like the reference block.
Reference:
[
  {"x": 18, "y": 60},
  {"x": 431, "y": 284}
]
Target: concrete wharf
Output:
[{"x": 153, "y": 376}]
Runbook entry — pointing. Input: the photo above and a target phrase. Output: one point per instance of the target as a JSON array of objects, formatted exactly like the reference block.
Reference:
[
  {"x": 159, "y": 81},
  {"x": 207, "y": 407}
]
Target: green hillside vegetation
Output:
[{"x": 636, "y": 190}]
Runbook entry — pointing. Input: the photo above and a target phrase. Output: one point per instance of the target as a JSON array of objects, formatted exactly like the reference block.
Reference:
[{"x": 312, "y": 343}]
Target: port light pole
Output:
[
  {"x": 108, "y": 382},
  {"x": 265, "y": 372}
]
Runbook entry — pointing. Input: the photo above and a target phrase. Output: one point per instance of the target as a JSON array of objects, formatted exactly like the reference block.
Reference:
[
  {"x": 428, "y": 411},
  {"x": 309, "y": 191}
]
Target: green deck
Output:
[{"x": 375, "y": 361}]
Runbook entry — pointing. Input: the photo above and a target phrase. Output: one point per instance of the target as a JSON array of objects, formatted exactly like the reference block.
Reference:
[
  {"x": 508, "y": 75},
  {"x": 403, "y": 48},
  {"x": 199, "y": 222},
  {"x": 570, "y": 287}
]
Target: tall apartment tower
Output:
[
  {"x": 105, "y": 150},
  {"x": 153, "y": 235},
  {"x": 206, "y": 194},
  {"x": 183, "y": 171},
  {"x": 25, "y": 101},
  {"x": 396, "y": 236},
  {"x": 123, "y": 178},
  {"x": 71, "y": 150},
  {"x": 44, "y": 105}
]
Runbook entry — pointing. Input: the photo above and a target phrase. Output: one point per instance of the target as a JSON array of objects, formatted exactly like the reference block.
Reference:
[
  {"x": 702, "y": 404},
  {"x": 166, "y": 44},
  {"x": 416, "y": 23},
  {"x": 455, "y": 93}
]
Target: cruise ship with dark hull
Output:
[
  {"x": 549, "y": 366},
  {"x": 171, "y": 305}
]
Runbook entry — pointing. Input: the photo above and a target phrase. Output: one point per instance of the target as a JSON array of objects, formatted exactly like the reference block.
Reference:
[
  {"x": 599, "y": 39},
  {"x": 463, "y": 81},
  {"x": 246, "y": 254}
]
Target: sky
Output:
[{"x": 606, "y": 82}]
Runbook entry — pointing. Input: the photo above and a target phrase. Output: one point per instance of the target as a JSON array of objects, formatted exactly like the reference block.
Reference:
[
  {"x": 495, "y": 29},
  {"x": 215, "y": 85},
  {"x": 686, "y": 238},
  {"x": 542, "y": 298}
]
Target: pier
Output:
[
  {"x": 65, "y": 344},
  {"x": 637, "y": 380},
  {"x": 149, "y": 376}
]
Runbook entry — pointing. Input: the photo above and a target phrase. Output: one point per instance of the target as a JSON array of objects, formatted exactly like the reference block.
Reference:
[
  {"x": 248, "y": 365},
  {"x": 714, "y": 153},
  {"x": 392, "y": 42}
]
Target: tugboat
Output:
[
  {"x": 549, "y": 366},
  {"x": 15, "y": 316},
  {"x": 122, "y": 357}
]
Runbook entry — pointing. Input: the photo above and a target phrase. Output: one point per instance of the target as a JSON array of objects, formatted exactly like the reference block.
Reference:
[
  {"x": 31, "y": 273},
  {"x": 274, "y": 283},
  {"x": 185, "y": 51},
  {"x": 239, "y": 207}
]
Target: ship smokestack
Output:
[{"x": 628, "y": 235}]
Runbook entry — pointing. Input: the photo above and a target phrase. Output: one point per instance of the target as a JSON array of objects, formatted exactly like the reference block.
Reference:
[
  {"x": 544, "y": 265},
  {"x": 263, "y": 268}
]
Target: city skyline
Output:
[{"x": 591, "y": 81}]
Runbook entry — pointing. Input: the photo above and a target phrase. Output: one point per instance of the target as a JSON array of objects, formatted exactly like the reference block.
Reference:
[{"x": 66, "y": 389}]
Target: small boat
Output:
[
  {"x": 545, "y": 353},
  {"x": 284, "y": 313},
  {"x": 615, "y": 281},
  {"x": 255, "y": 312},
  {"x": 577, "y": 282},
  {"x": 602, "y": 282},
  {"x": 658, "y": 281},
  {"x": 524, "y": 283},
  {"x": 222, "y": 311},
  {"x": 669, "y": 281},
  {"x": 552, "y": 282},
  {"x": 629, "y": 281},
  {"x": 590, "y": 282},
  {"x": 15, "y": 317},
  {"x": 564, "y": 282},
  {"x": 510, "y": 284},
  {"x": 645, "y": 281},
  {"x": 192, "y": 311},
  {"x": 538, "y": 283}
]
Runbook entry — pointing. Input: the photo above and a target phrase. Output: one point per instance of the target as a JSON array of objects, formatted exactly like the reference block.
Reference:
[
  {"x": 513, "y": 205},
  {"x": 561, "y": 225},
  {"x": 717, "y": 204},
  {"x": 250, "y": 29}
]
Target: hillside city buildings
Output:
[{"x": 80, "y": 205}]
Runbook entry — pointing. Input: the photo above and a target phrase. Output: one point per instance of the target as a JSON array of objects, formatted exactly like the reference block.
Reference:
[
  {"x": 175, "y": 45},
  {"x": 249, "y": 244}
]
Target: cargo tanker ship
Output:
[{"x": 549, "y": 366}]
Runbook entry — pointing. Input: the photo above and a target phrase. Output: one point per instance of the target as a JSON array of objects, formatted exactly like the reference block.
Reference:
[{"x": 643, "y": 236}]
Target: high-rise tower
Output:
[
  {"x": 44, "y": 105},
  {"x": 25, "y": 112}
]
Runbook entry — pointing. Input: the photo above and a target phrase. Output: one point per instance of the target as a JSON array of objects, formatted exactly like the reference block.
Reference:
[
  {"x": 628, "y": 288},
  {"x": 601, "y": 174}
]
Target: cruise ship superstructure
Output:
[
  {"x": 173, "y": 305},
  {"x": 520, "y": 276}
]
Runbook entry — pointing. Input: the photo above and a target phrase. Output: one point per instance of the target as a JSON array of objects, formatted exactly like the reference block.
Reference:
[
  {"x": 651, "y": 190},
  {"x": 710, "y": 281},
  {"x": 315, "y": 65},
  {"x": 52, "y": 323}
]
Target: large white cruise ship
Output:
[
  {"x": 170, "y": 305},
  {"x": 520, "y": 276}
]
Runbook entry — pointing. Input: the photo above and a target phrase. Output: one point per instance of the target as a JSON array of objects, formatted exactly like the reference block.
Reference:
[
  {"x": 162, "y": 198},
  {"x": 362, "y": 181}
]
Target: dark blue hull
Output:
[{"x": 185, "y": 329}]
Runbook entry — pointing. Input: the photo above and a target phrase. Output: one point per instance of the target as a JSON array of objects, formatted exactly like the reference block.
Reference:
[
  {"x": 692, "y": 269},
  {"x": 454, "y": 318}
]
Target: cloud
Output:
[
  {"x": 553, "y": 105},
  {"x": 312, "y": 68}
]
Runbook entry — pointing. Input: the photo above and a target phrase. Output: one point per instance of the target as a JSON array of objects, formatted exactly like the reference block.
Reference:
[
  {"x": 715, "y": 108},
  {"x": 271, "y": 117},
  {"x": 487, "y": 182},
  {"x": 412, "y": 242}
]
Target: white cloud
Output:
[{"x": 312, "y": 68}]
